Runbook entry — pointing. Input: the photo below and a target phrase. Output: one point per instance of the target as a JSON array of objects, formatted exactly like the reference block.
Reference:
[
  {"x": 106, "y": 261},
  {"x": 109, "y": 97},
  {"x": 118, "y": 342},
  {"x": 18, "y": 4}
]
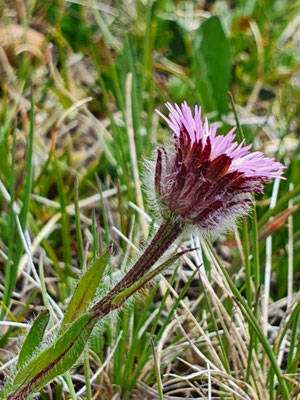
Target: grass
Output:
[{"x": 78, "y": 93}]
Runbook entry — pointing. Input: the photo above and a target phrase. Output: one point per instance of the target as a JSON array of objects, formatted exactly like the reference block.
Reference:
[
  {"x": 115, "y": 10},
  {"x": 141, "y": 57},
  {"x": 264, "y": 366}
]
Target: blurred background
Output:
[{"x": 97, "y": 70}]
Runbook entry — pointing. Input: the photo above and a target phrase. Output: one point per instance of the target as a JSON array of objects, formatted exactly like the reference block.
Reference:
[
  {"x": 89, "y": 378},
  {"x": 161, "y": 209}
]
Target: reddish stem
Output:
[{"x": 162, "y": 240}]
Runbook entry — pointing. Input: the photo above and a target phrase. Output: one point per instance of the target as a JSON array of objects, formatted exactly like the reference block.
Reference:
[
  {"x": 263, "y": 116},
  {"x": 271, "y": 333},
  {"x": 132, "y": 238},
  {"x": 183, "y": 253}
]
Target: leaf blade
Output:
[
  {"x": 55, "y": 360},
  {"x": 212, "y": 58},
  {"x": 85, "y": 290},
  {"x": 34, "y": 338}
]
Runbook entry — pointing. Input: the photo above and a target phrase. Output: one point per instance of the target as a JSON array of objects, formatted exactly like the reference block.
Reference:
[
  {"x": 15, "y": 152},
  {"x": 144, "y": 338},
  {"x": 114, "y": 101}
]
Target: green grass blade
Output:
[
  {"x": 10, "y": 267},
  {"x": 104, "y": 213},
  {"x": 29, "y": 169},
  {"x": 66, "y": 240},
  {"x": 240, "y": 132},
  {"x": 78, "y": 226},
  {"x": 294, "y": 337},
  {"x": 157, "y": 373},
  {"x": 255, "y": 252},
  {"x": 255, "y": 325},
  {"x": 146, "y": 351},
  {"x": 13, "y": 262}
]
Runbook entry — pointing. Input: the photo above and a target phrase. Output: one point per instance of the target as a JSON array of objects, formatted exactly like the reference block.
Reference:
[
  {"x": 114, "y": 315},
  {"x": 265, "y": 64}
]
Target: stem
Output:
[
  {"x": 162, "y": 240},
  {"x": 69, "y": 382},
  {"x": 86, "y": 367}
]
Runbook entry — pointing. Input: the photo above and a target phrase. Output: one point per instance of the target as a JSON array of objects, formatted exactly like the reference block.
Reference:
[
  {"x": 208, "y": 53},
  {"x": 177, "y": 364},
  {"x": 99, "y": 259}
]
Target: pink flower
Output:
[{"x": 207, "y": 180}]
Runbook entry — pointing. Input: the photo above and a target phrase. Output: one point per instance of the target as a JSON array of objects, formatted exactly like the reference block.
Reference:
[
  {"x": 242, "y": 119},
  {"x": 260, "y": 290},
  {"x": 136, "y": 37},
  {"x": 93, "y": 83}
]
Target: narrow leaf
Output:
[
  {"x": 55, "y": 360},
  {"x": 29, "y": 169},
  {"x": 64, "y": 219},
  {"x": 78, "y": 225},
  {"x": 18, "y": 250},
  {"x": 276, "y": 223},
  {"x": 239, "y": 300},
  {"x": 10, "y": 267},
  {"x": 85, "y": 290},
  {"x": 34, "y": 338},
  {"x": 128, "y": 292}
]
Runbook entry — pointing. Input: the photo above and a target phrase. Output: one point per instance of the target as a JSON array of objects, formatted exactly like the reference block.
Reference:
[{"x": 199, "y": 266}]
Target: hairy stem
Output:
[{"x": 162, "y": 240}]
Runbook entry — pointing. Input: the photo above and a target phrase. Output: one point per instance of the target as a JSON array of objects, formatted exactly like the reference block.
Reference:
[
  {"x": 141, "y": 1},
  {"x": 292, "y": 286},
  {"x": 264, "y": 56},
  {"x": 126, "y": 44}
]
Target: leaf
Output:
[
  {"x": 276, "y": 223},
  {"x": 251, "y": 318},
  {"x": 85, "y": 290},
  {"x": 212, "y": 59},
  {"x": 11, "y": 276},
  {"x": 55, "y": 360},
  {"x": 169, "y": 35},
  {"x": 65, "y": 222},
  {"x": 128, "y": 292},
  {"x": 74, "y": 29},
  {"x": 34, "y": 338}
]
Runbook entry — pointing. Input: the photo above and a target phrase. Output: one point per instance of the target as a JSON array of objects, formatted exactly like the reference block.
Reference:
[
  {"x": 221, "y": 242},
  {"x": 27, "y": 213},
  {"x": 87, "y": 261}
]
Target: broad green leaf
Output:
[
  {"x": 34, "y": 338},
  {"x": 74, "y": 28},
  {"x": 85, "y": 290},
  {"x": 55, "y": 360},
  {"x": 211, "y": 64}
]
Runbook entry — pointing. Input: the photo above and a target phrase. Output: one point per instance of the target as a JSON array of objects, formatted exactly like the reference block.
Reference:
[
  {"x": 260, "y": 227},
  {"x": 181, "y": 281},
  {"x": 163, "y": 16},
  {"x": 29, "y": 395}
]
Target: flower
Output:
[
  {"x": 207, "y": 180},
  {"x": 201, "y": 180}
]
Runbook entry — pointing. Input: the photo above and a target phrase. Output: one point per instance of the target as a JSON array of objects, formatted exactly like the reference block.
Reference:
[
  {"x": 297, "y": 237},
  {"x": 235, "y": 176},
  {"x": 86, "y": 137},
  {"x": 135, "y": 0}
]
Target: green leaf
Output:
[
  {"x": 74, "y": 28},
  {"x": 212, "y": 61},
  {"x": 55, "y": 360},
  {"x": 239, "y": 300},
  {"x": 169, "y": 34},
  {"x": 66, "y": 239},
  {"x": 85, "y": 290},
  {"x": 12, "y": 269},
  {"x": 34, "y": 338}
]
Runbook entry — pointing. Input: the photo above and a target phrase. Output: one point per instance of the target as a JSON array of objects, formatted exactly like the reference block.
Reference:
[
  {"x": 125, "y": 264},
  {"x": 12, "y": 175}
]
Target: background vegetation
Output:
[{"x": 96, "y": 71}]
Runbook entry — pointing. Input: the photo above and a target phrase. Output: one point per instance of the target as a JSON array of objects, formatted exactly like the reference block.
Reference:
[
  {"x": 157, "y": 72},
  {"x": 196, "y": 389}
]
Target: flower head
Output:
[{"x": 204, "y": 179}]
